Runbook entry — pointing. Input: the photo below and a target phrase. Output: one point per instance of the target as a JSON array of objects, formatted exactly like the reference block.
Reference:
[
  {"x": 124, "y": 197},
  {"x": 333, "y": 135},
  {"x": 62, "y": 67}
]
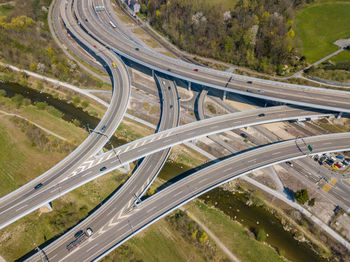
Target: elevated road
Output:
[
  {"x": 121, "y": 228},
  {"x": 95, "y": 167},
  {"x": 20, "y": 198},
  {"x": 97, "y": 24},
  {"x": 124, "y": 198}
]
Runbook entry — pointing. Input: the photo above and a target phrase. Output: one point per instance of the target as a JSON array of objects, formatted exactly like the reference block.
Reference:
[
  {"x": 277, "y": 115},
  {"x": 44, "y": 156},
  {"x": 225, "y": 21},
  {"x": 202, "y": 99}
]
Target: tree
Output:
[
  {"x": 311, "y": 202},
  {"x": 301, "y": 196}
]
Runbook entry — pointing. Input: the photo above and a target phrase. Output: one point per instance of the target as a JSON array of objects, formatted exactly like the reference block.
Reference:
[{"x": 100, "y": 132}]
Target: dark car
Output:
[
  {"x": 78, "y": 233},
  {"x": 103, "y": 168},
  {"x": 261, "y": 115},
  {"x": 168, "y": 87},
  {"x": 249, "y": 82},
  {"x": 171, "y": 106},
  {"x": 103, "y": 128},
  {"x": 249, "y": 91},
  {"x": 86, "y": 20},
  {"x": 38, "y": 186},
  {"x": 169, "y": 69},
  {"x": 137, "y": 49},
  {"x": 243, "y": 135}
]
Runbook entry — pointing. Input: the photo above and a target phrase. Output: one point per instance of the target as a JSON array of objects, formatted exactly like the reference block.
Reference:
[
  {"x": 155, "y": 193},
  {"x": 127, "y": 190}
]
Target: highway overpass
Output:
[
  {"x": 97, "y": 24},
  {"x": 111, "y": 230},
  {"x": 90, "y": 169}
]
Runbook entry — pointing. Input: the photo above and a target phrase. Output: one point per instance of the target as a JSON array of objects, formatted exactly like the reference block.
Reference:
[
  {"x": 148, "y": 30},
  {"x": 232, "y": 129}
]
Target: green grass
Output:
[
  {"x": 233, "y": 235},
  {"x": 343, "y": 56},
  {"x": 319, "y": 25},
  {"x": 160, "y": 242},
  {"x": 5, "y": 9}
]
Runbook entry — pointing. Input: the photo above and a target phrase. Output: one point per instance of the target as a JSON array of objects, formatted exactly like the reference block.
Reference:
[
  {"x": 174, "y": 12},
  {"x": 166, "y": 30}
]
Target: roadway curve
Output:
[
  {"x": 121, "y": 228},
  {"x": 135, "y": 150},
  {"x": 20, "y": 198},
  {"x": 97, "y": 24}
]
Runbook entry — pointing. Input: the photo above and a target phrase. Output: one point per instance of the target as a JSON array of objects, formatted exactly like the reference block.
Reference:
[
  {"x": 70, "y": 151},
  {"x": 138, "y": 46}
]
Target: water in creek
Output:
[
  {"x": 255, "y": 218},
  {"x": 69, "y": 110}
]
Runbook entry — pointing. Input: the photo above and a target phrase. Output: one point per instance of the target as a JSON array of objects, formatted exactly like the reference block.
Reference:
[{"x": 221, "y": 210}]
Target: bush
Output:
[
  {"x": 261, "y": 235},
  {"x": 76, "y": 100},
  {"x": 54, "y": 111},
  {"x": 3, "y": 92},
  {"x": 84, "y": 104},
  {"x": 41, "y": 105},
  {"x": 76, "y": 122}
]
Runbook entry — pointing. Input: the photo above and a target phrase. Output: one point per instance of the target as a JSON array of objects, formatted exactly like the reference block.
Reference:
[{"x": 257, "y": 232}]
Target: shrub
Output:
[
  {"x": 41, "y": 105},
  {"x": 76, "y": 122},
  {"x": 84, "y": 104},
  {"x": 3, "y": 92},
  {"x": 261, "y": 235}
]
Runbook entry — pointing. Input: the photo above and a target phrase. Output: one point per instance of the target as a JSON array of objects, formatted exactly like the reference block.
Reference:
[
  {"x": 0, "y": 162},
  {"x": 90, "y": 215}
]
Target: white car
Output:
[{"x": 89, "y": 231}]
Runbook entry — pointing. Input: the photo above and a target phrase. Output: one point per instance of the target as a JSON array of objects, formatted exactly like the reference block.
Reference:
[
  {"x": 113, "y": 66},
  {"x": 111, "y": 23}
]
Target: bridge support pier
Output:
[
  {"x": 224, "y": 96},
  {"x": 189, "y": 86},
  {"x": 127, "y": 168},
  {"x": 48, "y": 206},
  {"x": 339, "y": 115},
  {"x": 153, "y": 73}
]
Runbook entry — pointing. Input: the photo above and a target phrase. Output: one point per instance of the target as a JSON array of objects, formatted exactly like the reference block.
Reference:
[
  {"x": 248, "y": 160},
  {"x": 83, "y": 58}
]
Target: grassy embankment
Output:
[{"x": 319, "y": 25}]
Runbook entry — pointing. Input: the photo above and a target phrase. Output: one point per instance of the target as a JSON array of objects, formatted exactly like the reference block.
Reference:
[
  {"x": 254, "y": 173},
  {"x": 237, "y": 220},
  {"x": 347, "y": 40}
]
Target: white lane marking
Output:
[
  {"x": 235, "y": 122},
  {"x": 53, "y": 256},
  {"x": 91, "y": 247},
  {"x": 141, "y": 149},
  {"x": 252, "y": 160},
  {"x": 21, "y": 207},
  {"x": 109, "y": 156},
  {"x": 86, "y": 174},
  {"x": 151, "y": 209},
  {"x": 276, "y": 153},
  {"x": 212, "y": 127},
  {"x": 327, "y": 143},
  {"x": 55, "y": 189},
  {"x": 167, "y": 140},
  {"x": 99, "y": 161},
  {"x": 178, "y": 193},
  {"x": 111, "y": 211},
  {"x": 227, "y": 169}
]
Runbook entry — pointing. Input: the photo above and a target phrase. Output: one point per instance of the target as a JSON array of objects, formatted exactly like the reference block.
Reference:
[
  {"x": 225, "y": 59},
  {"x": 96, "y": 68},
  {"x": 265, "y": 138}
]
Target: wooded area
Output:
[{"x": 256, "y": 34}]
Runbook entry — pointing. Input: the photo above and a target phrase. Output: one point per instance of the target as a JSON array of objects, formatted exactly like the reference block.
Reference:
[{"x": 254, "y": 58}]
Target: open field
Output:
[
  {"x": 343, "y": 56},
  {"x": 233, "y": 235},
  {"x": 319, "y": 25},
  {"x": 160, "y": 242}
]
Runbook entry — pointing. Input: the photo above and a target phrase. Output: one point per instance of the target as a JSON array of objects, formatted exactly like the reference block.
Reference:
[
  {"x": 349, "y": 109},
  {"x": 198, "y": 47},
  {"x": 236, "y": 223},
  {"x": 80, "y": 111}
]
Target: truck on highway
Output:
[{"x": 80, "y": 237}]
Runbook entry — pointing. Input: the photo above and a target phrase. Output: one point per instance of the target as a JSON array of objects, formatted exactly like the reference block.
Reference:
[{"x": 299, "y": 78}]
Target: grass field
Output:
[
  {"x": 343, "y": 56},
  {"x": 233, "y": 235},
  {"x": 161, "y": 243},
  {"x": 319, "y": 25}
]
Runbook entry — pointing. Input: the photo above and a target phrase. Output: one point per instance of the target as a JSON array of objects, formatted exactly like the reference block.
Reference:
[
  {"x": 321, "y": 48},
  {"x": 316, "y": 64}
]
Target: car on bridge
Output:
[
  {"x": 38, "y": 186},
  {"x": 261, "y": 115},
  {"x": 103, "y": 168}
]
